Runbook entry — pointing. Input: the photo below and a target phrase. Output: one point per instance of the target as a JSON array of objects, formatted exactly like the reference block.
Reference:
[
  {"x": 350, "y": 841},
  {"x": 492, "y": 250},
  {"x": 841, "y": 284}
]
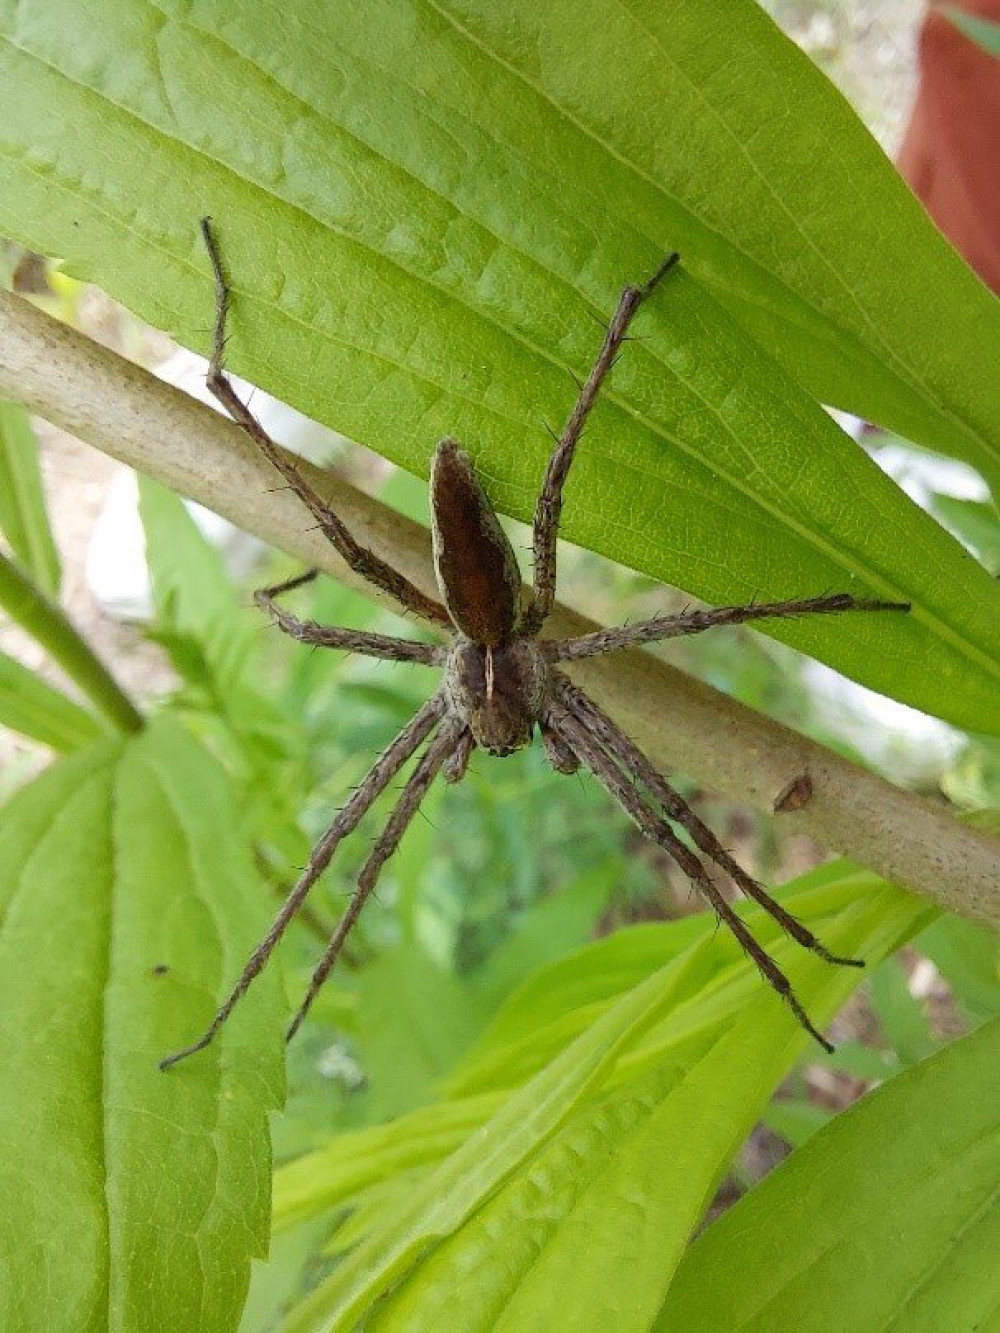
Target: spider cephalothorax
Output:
[{"x": 500, "y": 680}]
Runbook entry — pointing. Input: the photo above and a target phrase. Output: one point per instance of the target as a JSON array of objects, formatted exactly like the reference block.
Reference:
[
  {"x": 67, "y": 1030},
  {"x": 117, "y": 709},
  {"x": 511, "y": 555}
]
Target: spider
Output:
[{"x": 500, "y": 680}]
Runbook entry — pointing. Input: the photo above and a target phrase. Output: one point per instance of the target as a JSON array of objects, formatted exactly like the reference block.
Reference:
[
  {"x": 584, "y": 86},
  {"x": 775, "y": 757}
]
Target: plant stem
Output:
[
  {"x": 47, "y": 624},
  {"x": 680, "y": 722}
]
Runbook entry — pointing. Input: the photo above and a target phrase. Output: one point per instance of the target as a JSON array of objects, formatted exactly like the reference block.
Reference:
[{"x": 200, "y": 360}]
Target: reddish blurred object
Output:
[{"x": 951, "y": 153}]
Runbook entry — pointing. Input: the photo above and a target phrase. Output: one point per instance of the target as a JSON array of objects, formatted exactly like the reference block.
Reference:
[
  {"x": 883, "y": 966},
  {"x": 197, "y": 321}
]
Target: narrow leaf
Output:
[
  {"x": 47, "y": 624},
  {"x": 618, "y": 1156},
  {"x": 447, "y": 1198},
  {"x": 24, "y": 520},
  {"x": 194, "y": 596},
  {"x": 30, "y": 706}
]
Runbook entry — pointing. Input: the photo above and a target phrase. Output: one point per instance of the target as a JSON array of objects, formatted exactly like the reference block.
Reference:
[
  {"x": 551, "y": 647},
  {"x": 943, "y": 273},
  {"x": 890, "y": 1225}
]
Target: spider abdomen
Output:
[
  {"x": 474, "y": 561},
  {"x": 498, "y": 691}
]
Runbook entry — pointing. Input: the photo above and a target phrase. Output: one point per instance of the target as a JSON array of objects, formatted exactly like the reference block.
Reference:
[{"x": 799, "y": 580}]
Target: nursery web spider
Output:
[{"x": 500, "y": 680}]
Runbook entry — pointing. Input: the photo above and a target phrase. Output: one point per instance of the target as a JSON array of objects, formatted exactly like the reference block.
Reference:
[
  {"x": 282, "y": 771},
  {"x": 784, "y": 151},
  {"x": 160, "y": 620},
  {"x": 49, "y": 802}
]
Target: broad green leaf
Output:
[
  {"x": 626, "y": 1180},
  {"x": 130, "y": 1198},
  {"x": 30, "y": 706},
  {"x": 617, "y": 1158},
  {"x": 436, "y": 200},
  {"x": 23, "y": 517},
  {"x": 886, "y": 1218}
]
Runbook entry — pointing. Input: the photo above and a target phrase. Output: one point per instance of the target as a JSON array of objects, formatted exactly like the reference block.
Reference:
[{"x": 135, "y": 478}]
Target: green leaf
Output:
[
  {"x": 977, "y": 523},
  {"x": 554, "y": 1004},
  {"x": 214, "y": 638},
  {"x": 549, "y": 929},
  {"x": 436, "y": 200},
  {"x": 47, "y": 624},
  {"x": 33, "y": 708},
  {"x": 414, "y": 1018},
  {"x": 611, "y": 1146},
  {"x": 977, "y": 29},
  {"x": 886, "y": 1218},
  {"x": 451, "y": 1195},
  {"x": 23, "y": 517},
  {"x": 194, "y": 596},
  {"x": 904, "y": 1023},
  {"x": 128, "y": 1197},
  {"x": 967, "y": 955},
  {"x": 323, "y": 1181},
  {"x": 795, "y": 1121}
]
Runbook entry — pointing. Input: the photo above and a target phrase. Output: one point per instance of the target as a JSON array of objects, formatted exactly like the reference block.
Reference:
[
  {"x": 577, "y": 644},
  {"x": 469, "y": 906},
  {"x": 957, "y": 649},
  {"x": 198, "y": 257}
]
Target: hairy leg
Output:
[
  {"x": 458, "y": 761},
  {"x": 694, "y": 622},
  {"x": 388, "y": 764},
  {"x": 656, "y": 828},
  {"x": 562, "y": 758},
  {"x": 636, "y": 764},
  {"x": 406, "y": 807},
  {"x": 350, "y": 640},
  {"x": 549, "y": 507},
  {"x": 362, "y": 561}
]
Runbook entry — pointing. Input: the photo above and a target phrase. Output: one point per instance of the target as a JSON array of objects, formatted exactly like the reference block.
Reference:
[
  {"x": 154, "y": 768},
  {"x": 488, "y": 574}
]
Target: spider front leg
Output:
[
  {"x": 358, "y": 558},
  {"x": 385, "y": 646},
  {"x": 695, "y": 622},
  {"x": 548, "y": 510},
  {"x": 604, "y": 767},
  {"x": 378, "y": 778}
]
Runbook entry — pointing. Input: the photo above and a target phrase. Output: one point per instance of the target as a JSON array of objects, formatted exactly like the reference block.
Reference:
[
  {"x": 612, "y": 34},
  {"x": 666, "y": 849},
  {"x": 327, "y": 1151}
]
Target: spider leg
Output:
[
  {"x": 358, "y": 558},
  {"x": 351, "y": 640},
  {"x": 656, "y": 828},
  {"x": 562, "y": 758},
  {"x": 458, "y": 761},
  {"x": 694, "y": 622},
  {"x": 549, "y": 507},
  {"x": 388, "y": 764},
  {"x": 438, "y": 751},
  {"x": 642, "y": 769}
]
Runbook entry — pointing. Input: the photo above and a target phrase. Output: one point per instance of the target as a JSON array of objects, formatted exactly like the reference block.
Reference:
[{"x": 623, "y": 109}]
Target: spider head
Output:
[{"x": 498, "y": 691}]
